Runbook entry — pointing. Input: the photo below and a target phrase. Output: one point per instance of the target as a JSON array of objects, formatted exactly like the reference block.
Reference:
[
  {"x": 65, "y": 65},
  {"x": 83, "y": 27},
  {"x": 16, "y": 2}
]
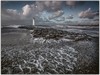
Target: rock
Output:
[
  {"x": 50, "y": 33},
  {"x": 27, "y": 70},
  {"x": 5, "y": 71},
  {"x": 34, "y": 70},
  {"x": 17, "y": 70}
]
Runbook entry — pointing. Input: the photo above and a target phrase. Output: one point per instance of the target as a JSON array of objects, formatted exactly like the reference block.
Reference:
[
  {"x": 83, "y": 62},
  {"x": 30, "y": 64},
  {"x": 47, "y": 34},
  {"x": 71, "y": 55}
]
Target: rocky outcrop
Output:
[{"x": 50, "y": 33}]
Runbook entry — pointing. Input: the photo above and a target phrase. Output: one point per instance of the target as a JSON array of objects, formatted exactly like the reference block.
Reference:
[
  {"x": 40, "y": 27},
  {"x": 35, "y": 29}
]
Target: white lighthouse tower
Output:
[{"x": 33, "y": 21}]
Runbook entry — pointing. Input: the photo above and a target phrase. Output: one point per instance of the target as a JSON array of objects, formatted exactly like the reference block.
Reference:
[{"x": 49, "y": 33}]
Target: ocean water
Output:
[
  {"x": 89, "y": 29},
  {"x": 23, "y": 54}
]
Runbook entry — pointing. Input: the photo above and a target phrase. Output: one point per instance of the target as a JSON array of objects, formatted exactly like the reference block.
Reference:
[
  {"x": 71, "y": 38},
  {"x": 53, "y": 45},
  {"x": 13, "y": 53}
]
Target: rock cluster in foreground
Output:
[{"x": 50, "y": 33}]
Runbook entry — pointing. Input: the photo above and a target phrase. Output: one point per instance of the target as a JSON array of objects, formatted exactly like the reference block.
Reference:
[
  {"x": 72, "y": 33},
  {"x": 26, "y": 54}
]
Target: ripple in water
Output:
[{"x": 44, "y": 57}]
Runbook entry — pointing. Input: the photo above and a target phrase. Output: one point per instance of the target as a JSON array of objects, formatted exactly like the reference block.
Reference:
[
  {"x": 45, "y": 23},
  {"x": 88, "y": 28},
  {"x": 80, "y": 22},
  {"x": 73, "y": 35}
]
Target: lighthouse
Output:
[{"x": 33, "y": 21}]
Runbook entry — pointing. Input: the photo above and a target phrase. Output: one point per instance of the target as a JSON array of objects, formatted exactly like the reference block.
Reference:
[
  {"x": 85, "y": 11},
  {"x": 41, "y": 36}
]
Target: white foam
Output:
[
  {"x": 38, "y": 40},
  {"x": 13, "y": 26},
  {"x": 64, "y": 39},
  {"x": 53, "y": 57}
]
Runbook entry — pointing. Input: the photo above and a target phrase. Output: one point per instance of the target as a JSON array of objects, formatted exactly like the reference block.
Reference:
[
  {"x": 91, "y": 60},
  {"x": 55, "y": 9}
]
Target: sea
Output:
[{"x": 21, "y": 53}]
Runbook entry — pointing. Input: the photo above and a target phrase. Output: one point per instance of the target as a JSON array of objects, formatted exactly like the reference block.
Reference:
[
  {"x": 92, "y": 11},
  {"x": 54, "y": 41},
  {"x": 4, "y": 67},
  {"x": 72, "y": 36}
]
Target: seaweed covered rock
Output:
[{"x": 50, "y": 33}]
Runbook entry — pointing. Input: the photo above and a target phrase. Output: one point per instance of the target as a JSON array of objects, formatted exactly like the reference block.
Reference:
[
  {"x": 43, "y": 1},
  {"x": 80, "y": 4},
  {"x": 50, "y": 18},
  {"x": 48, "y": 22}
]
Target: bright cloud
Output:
[
  {"x": 56, "y": 14},
  {"x": 70, "y": 17},
  {"x": 54, "y": 11},
  {"x": 88, "y": 14},
  {"x": 26, "y": 10}
]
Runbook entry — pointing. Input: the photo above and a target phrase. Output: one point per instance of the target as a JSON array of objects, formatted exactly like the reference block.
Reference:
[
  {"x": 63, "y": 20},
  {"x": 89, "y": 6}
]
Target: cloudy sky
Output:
[{"x": 49, "y": 12}]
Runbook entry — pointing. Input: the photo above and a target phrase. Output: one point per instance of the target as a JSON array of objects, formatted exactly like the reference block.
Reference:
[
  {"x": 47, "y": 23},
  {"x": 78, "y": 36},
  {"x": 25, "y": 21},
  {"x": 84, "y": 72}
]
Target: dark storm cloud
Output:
[
  {"x": 53, "y": 5},
  {"x": 96, "y": 19},
  {"x": 10, "y": 14},
  {"x": 75, "y": 3},
  {"x": 71, "y": 3}
]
